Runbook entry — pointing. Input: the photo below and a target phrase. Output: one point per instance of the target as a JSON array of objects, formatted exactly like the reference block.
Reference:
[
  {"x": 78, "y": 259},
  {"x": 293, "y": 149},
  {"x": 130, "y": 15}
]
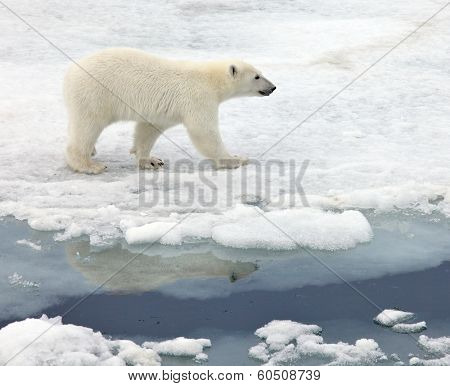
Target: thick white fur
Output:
[{"x": 127, "y": 84}]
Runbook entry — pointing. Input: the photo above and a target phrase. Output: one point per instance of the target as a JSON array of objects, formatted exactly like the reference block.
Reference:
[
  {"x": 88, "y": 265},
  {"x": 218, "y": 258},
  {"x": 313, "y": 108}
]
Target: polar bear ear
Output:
[{"x": 233, "y": 70}]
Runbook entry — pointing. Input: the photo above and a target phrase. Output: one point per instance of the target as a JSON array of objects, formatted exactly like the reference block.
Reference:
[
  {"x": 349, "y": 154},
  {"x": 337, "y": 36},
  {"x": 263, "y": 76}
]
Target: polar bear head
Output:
[
  {"x": 234, "y": 78},
  {"x": 246, "y": 80}
]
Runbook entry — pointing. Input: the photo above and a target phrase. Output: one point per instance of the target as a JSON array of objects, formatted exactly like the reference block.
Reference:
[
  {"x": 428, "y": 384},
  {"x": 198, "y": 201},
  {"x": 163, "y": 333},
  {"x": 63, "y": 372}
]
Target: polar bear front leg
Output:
[
  {"x": 205, "y": 135},
  {"x": 83, "y": 133},
  {"x": 145, "y": 136}
]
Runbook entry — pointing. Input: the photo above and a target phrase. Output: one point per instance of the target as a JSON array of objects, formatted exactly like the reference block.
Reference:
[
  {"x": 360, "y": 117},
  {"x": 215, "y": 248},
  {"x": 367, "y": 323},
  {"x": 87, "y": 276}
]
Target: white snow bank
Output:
[
  {"x": 306, "y": 344},
  {"x": 30, "y": 244},
  {"x": 389, "y": 317},
  {"x": 437, "y": 349},
  {"x": 409, "y": 328},
  {"x": 181, "y": 347},
  {"x": 67, "y": 344},
  {"x": 249, "y": 227}
]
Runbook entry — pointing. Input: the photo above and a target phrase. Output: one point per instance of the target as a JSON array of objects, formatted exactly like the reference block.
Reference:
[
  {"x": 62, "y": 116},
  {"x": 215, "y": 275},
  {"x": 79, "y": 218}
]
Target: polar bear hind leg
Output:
[
  {"x": 83, "y": 134},
  {"x": 145, "y": 136}
]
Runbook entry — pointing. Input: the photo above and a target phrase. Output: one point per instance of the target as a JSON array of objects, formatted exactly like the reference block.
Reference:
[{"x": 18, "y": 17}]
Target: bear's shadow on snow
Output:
[{"x": 148, "y": 272}]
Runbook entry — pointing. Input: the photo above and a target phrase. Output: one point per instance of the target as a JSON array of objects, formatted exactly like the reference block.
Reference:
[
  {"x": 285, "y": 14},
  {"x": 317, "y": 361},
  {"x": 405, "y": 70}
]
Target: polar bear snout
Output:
[
  {"x": 267, "y": 87},
  {"x": 268, "y": 91}
]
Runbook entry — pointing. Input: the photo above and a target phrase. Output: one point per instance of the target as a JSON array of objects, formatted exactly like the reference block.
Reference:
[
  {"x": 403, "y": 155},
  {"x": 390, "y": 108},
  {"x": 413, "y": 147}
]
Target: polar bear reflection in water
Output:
[{"x": 149, "y": 272}]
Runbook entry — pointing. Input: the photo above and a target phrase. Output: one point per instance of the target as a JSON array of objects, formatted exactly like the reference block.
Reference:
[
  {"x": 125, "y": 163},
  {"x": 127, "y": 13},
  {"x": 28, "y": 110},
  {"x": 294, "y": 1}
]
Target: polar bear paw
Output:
[
  {"x": 150, "y": 163},
  {"x": 231, "y": 163},
  {"x": 88, "y": 167},
  {"x": 95, "y": 168}
]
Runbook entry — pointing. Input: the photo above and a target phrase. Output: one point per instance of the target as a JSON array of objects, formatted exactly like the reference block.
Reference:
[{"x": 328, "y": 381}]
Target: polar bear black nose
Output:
[{"x": 272, "y": 89}]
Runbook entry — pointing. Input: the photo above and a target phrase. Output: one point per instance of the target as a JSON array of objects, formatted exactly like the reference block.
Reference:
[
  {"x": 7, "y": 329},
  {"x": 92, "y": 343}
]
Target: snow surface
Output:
[
  {"x": 288, "y": 342},
  {"x": 389, "y": 318},
  {"x": 438, "y": 351},
  {"x": 383, "y": 143},
  {"x": 70, "y": 345}
]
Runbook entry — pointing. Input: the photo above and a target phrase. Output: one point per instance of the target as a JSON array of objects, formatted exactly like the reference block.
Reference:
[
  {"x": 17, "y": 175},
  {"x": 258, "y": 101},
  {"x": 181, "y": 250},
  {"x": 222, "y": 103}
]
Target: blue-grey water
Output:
[{"x": 203, "y": 290}]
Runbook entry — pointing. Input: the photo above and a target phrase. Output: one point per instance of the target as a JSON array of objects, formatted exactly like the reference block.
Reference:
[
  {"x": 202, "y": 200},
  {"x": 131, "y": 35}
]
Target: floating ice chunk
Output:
[
  {"x": 17, "y": 280},
  {"x": 409, "y": 328},
  {"x": 437, "y": 349},
  {"x": 201, "y": 357},
  {"x": 179, "y": 346},
  {"x": 72, "y": 231},
  {"x": 278, "y": 333},
  {"x": 244, "y": 227},
  {"x": 153, "y": 232},
  {"x": 60, "y": 344},
  {"x": 435, "y": 345},
  {"x": 259, "y": 352},
  {"x": 288, "y": 342},
  {"x": 444, "y": 361},
  {"x": 396, "y": 359},
  {"x": 30, "y": 244},
  {"x": 389, "y": 317},
  {"x": 308, "y": 227},
  {"x": 363, "y": 352}
]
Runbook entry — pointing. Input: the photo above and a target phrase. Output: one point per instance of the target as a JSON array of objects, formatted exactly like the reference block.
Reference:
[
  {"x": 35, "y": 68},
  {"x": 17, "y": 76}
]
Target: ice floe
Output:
[
  {"x": 278, "y": 333},
  {"x": 409, "y": 328},
  {"x": 394, "y": 319},
  {"x": 201, "y": 357},
  {"x": 288, "y": 342},
  {"x": 66, "y": 344},
  {"x": 250, "y": 227},
  {"x": 181, "y": 346},
  {"x": 55, "y": 343},
  {"x": 437, "y": 351},
  {"x": 390, "y": 317},
  {"x": 292, "y": 228},
  {"x": 381, "y": 146}
]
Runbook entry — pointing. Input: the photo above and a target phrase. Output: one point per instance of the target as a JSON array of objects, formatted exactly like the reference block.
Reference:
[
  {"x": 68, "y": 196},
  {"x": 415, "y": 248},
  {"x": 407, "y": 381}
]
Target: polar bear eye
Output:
[{"x": 257, "y": 77}]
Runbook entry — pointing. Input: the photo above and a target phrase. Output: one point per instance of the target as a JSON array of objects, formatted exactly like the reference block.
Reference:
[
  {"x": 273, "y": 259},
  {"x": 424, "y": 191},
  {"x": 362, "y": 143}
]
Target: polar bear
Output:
[{"x": 125, "y": 84}]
